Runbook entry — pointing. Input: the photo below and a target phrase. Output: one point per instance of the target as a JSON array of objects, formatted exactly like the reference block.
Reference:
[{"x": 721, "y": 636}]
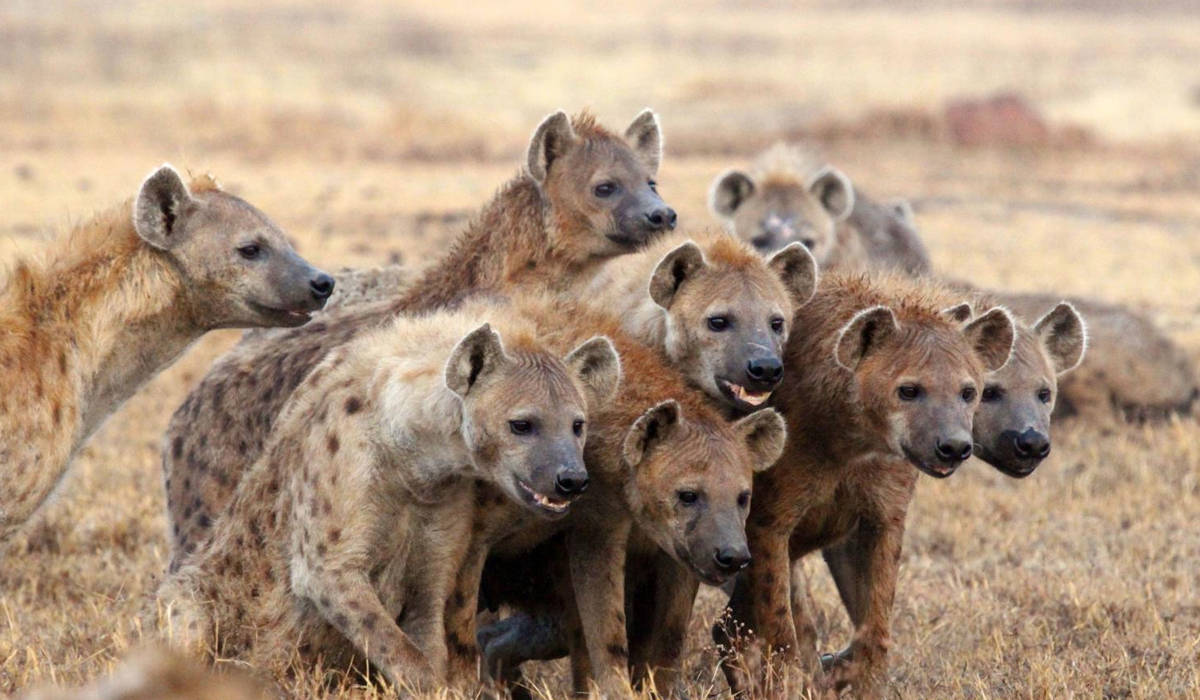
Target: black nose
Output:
[
  {"x": 1031, "y": 443},
  {"x": 953, "y": 450},
  {"x": 765, "y": 370},
  {"x": 731, "y": 559},
  {"x": 322, "y": 286},
  {"x": 662, "y": 218},
  {"x": 571, "y": 482}
]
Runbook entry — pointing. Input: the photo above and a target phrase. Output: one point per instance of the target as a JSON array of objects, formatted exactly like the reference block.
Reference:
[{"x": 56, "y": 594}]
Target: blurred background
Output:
[{"x": 1044, "y": 145}]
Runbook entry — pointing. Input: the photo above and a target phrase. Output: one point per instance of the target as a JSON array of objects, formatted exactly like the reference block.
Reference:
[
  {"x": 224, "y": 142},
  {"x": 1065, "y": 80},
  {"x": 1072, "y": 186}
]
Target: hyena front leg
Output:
[
  {"x": 674, "y": 595},
  {"x": 596, "y": 555}
]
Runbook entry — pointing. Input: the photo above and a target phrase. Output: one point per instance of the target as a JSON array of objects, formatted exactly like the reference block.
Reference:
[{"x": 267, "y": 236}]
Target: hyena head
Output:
[
  {"x": 1012, "y": 423},
  {"x": 689, "y": 483},
  {"x": 600, "y": 187},
  {"x": 782, "y": 208},
  {"x": 239, "y": 269},
  {"x": 524, "y": 413},
  {"x": 728, "y": 315},
  {"x": 919, "y": 380}
]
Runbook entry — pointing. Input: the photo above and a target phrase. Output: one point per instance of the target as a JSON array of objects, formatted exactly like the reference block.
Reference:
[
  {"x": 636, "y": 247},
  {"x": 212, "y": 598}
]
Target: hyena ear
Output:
[
  {"x": 797, "y": 269},
  {"x": 765, "y": 434},
  {"x": 476, "y": 356},
  {"x": 673, "y": 270},
  {"x": 729, "y": 191},
  {"x": 864, "y": 334},
  {"x": 992, "y": 337},
  {"x": 903, "y": 211},
  {"x": 598, "y": 368},
  {"x": 159, "y": 207},
  {"x": 649, "y": 430},
  {"x": 553, "y": 138},
  {"x": 958, "y": 314},
  {"x": 1064, "y": 333},
  {"x": 645, "y": 136},
  {"x": 834, "y": 191}
]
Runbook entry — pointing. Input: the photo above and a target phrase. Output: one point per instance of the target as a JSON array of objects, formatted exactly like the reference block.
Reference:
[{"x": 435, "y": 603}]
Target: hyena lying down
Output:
[
  {"x": 115, "y": 303},
  {"x": 585, "y": 195},
  {"x": 346, "y": 535}
]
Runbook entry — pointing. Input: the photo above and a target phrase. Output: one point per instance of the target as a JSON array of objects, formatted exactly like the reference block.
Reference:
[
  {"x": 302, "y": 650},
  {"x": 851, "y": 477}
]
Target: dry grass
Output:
[{"x": 368, "y": 129}]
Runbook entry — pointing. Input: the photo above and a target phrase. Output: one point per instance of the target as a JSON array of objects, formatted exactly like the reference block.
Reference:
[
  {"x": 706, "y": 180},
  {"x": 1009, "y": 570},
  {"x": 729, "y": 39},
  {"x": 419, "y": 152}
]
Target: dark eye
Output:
[
  {"x": 605, "y": 189},
  {"x": 688, "y": 498},
  {"x": 520, "y": 427},
  {"x": 808, "y": 243},
  {"x": 577, "y": 426},
  {"x": 968, "y": 394},
  {"x": 653, "y": 186},
  {"x": 777, "y": 325},
  {"x": 909, "y": 392},
  {"x": 991, "y": 393},
  {"x": 743, "y": 499},
  {"x": 718, "y": 323},
  {"x": 250, "y": 251},
  {"x": 1044, "y": 396}
]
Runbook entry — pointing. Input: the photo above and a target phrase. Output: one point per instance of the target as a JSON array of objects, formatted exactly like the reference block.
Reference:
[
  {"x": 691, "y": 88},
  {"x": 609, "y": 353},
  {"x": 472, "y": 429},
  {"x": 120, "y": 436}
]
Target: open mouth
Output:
[
  {"x": 542, "y": 502},
  {"x": 743, "y": 396},
  {"x": 284, "y": 317},
  {"x": 935, "y": 469}
]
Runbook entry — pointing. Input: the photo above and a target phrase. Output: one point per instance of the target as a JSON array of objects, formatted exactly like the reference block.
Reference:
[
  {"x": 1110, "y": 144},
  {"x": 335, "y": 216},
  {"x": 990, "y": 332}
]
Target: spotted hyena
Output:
[
  {"x": 117, "y": 301},
  {"x": 346, "y": 536}
]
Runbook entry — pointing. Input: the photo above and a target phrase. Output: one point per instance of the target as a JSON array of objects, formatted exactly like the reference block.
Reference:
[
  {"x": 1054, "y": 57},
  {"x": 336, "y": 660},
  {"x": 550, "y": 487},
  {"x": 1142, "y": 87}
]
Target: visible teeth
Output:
[
  {"x": 748, "y": 397},
  {"x": 545, "y": 501}
]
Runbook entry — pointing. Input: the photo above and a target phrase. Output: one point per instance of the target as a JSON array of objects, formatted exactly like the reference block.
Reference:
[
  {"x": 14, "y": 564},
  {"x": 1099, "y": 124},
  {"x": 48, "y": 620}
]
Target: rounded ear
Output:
[
  {"x": 159, "y": 206},
  {"x": 834, "y": 191},
  {"x": 765, "y": 435},
  {"x": 550, "y": 140},
  {"x": 958, "y": 314},
  {"x": 903, "y": 211},
  {"x": 1064, "y": 334},
  {"x": 863, "y": 334},
  {"x": 650, "y": 429},
  {"x": 729, "y": 191},
  {"x": 673, "y": 270},
  {"x": 476, "y": 356},
  {"x": 598, "y": 368},
  {"x": 992, "y": 337},
  {"x": 645, "y": 136},
  {"x": 797, "y": 269}
]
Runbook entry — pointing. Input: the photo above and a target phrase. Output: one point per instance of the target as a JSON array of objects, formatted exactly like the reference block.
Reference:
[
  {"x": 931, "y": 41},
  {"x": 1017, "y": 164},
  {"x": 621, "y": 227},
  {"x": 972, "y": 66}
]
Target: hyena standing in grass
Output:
[
  {"x": 116, "y": 302},
  {"x": 884, "y": 379},
  {"x": 586, "y": 195},
  {"x": 347, "y": 534},
  {"x": 789, "y": 196}
]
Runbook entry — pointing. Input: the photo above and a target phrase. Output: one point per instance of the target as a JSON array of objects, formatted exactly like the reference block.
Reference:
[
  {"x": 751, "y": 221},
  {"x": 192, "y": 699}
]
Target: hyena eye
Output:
[
  {"x": 688, "y": 498},
  {"x": 653, "y": 186},
  {"x": 577, "y": 427},
  {"x": 968, "y": 394},
  {"x": 605, "y": 189},
  {"x": 717, "y": 323},
  {"x": 909, "y": 392},
  {"x": 808, "y": 243},
  {"x": 777, "y": 325},
  {"x": 1044, "y": 396},
  {"x": 250, "y": 252},
  {"x": 520, "y": 427},
  {"x": 991, "y": 393},
  {"x": 743, "y": 499}
]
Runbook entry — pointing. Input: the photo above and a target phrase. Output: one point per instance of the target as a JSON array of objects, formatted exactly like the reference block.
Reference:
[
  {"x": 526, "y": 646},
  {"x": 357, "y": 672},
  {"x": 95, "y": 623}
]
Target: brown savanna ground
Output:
[{"x": 368, "y": 130}]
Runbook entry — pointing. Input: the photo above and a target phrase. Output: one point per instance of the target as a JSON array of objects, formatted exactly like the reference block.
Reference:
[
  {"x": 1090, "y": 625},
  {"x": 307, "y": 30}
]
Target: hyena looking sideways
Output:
[
  {"x": 789, "y": 196},
  {"x": 116, "y": 302},
  {"x": 884, "y": 379},
  {"x": 585, "y": 195},
  {"x": 347, "y": 534}
]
